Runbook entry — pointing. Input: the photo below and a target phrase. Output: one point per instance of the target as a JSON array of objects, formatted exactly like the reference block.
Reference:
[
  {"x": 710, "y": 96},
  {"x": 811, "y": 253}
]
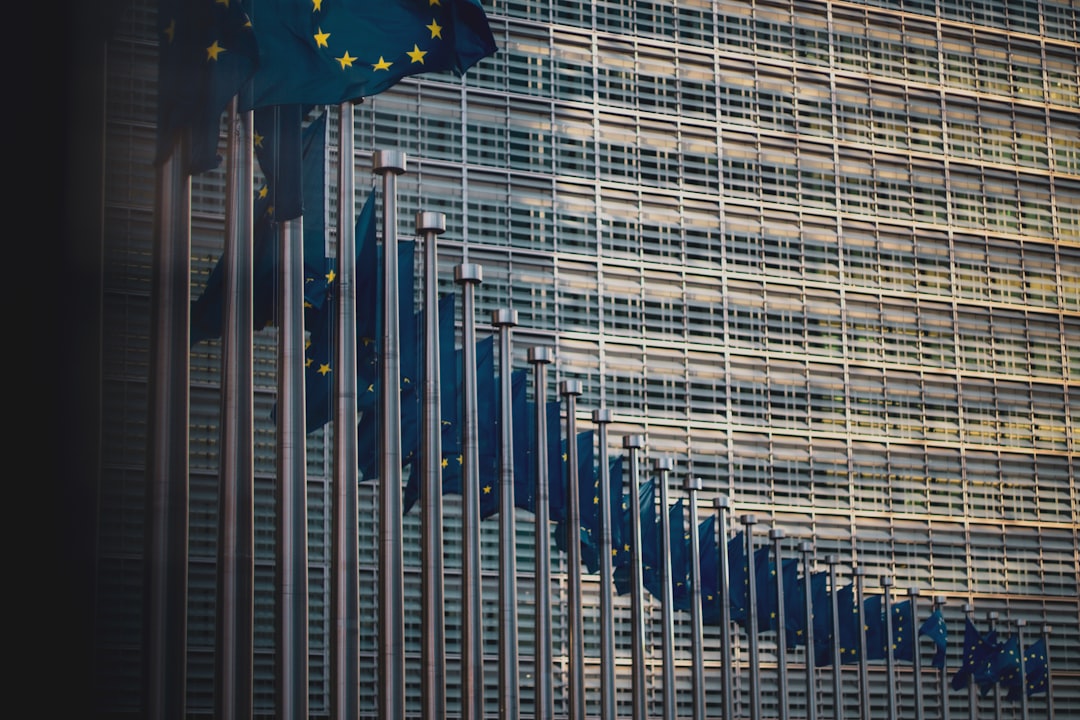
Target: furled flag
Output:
[
  {"x": 765, "y": 580},
  {"x": 874, "y": 627},
  {"x": 821, "y": 604},
  {"x": 206, "y": 53},
  {"x": 850, "y": 624},
  {"x": 934, "y": 628},
  {"x": 679, "y": 540},
  {"x": 589, "y": 516},
  {"x": 320, "y": 53},
  {"x": 794, "y": 604},
  {"x": 709, "y": 562},
  {"x": 738, "y": 577}
]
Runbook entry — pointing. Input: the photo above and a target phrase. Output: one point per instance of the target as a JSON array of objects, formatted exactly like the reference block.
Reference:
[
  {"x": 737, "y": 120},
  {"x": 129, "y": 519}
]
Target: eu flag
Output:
[
  {"x": 615, "y": 472},
  {"x": 680, "y": 556},
  {"x": 206, "y": 54},
  {"x": 588, "y": 504},
  {"x": 934, "y": 628},
  {"x": 874, "y": 626},
  {"x": 821, "y": 608},
  {"x": 1036, "y": 671},
  {"x": 976, "y": 650},
  {"x": 850, "y": 624},
  {"x": 709, "y": 561},
  {"x": 328, "y": 53},
  {"x": 1005, "y": 667},
  {"x": 765, "y": 578},
  {"x": 903, "y": 627},
  {"x": 738, "y": 577},
  {"x": 650, "y": 541},
  {"x": 794, "y": 604},
  {"x": 486, "y": 429}
]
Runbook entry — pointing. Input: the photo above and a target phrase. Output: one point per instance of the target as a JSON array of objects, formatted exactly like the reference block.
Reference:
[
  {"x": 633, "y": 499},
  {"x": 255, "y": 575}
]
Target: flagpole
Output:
[
  {"x": 1020, "y": 625},
  {"x": 345, "y": 550},
  {"x": 662, "y": 466},
  {"x": 472, "y": 629},
  {"x": 166, "y": 539},
  {"x": 544, "y": 701},
  {"x": 433, "y": 650},
  {"x": 233, "y": 664},
  {"x": 570, "y": 389},
  {"x": 503, "y": 320},
  {"x": 748, "y": 522},
  {"x": 890, "y": 661},
  {"x": 939, "y": 603},
  {"x": 807, "y": 550},
  {"x": 864, "y": 670},
  {"x": 838, "y": 691},
  {"x": 973, "y": 696},
  {"x": 601, "y": 418},
  {"x": 291, "y": 645},
  {"x": 1046, "y": 630},
  {"x": 777, "y": 537},
  {"x": 991, "y": 618},
  {"x": 722, "y": 505},
  {"x": 913, "y": 598},
  {"x": 692, "y": 485},
  {"x": 634, "y": 443},
  {"x": 389, "y": 164}
]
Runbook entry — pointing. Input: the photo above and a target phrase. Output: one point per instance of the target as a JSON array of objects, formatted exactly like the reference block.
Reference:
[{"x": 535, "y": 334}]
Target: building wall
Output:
[{"x": 825, "y": 255}]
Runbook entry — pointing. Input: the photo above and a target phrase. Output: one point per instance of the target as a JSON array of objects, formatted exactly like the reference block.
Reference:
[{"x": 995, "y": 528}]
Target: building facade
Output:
[{"x": 825, "y": 255}]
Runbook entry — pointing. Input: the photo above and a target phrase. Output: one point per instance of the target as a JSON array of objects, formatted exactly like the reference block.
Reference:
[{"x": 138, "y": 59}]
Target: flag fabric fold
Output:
[{"x": 935, "y": 629}]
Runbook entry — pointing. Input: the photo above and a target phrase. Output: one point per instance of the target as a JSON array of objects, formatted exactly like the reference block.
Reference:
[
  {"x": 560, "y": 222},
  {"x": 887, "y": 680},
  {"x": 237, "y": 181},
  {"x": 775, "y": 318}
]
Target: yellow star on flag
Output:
[
  {"x": 320, "y": 38},
  {"x": 323, "y": 369},
  {"x": 436, "y": 29},
  {"x": 214, "y": 50},
  {"x": 330, "y": 276},
  {"x": 346, "y": 60},
  {"x": 382, "y": 64},
  {"x": 417, "y": 55}
]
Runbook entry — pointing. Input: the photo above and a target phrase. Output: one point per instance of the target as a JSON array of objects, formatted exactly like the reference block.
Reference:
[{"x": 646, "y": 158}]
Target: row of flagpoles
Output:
[
  {"x": 234, "y": 620},
  {"x": 166, "y": 609}
]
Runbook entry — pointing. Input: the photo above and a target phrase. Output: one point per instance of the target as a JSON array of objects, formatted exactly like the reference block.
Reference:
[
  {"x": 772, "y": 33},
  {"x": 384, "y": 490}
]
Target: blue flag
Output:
[
  {"x": 738, "y": 578},
  {"x": 1005, "y": 667},
  {"x": 850, "y": 624},
  {"x": 337, "y": 52},
  {"x": 319, "y": 271},
  {"x": 588, "y": 504},
  {"x": 1036, "y": 671},
  {"x": 679, "y": 540},
  {"x": 650, "y": 541},
  {"x": 975, "y": 653},
  {"x": 765, "y": 586},
  {"x": 985, "y": 674},
  {"x": 709, "y": 564},
  {"x": 934, "y": 628},
  {"x": 821, "y": 605},
  {"x": 794, "y": 604},
  {"x": 874, "y": 626},
  {"x": 522, "y": 437},
  {"x": 206, "y": 54},
  {"x": 487, "y": 429},
  {"x": 903, "y": 627},
  {"x": 615, "y": 472}
]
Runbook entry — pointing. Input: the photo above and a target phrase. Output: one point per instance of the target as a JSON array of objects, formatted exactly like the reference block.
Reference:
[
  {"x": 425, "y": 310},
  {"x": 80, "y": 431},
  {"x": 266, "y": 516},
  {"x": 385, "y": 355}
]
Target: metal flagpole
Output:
[
  {"x": 913, "y": 599},
  {"x": 837, "y": 660},
  {"x": 389, "y": 164},
  {"x": 692, "y": 485},
  {"x": 807, "y": 550},
  {"x": 722, "y": 505},
  {"x": 992, "y": 618},
  {"x": 890, "y": 661},
  {"x": 345, "y": 550},
  {"x": 509, "y": 705},
  {"x": 433, "y": 650},
  {"x": 233, "y": 664},
  {"x": 166, "y": 549},
  {"x": 1046, "y": 630},
  {"x": 939, "y": 603},
  {"x": 472, "y": 629},
  {"x": 777, "y": 537},
  {"x": 292, "y": 558},
  {"x": 601, "y": 418},
  {"x": 748, "y": 522},
  {"x": 667, "y": 612},
  {"x": 973, "y": 696},
  {"x": 864, "y": 670},
  {"x": 544, "y": 701},
  {"x": 1020, "y": 625},
  {"x": 570, "y": 389},
  {"x": 634, "y": 443}
]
